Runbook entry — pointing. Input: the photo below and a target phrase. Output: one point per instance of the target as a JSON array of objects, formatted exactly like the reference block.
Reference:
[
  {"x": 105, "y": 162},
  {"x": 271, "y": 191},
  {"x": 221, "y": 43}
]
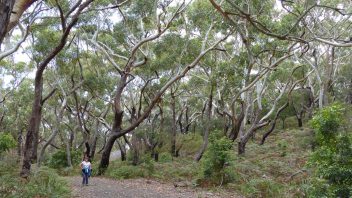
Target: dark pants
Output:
[{"x": 85, "y": 177}]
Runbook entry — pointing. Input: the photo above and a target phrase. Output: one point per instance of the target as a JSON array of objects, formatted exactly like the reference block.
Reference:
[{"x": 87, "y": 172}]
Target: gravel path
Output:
[{"x": 133, "y": 188}]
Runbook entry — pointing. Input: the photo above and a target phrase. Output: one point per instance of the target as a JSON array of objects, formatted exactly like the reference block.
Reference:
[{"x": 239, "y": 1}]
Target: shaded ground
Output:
[{"x": 134, "y": 188}]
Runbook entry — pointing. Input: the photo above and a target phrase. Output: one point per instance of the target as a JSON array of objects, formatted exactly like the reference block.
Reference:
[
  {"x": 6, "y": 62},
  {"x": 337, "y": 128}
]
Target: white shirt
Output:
[{"x": 86, "y": 165}]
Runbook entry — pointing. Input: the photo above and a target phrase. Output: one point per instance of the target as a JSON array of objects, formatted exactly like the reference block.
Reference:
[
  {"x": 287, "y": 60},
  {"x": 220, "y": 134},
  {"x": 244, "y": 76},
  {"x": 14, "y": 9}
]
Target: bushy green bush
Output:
[
  {"x": 59, "y": 159},
  {"x": 44, "y": 182},
  {"x": 217, "y": 159},
  {"x": 332, "y": 161},
  {"x": 123, "y": 170},
  {"x": 326, "y": 123},
  {"x": 148, "y": 164},
  {"x": 6, "y": 142}
]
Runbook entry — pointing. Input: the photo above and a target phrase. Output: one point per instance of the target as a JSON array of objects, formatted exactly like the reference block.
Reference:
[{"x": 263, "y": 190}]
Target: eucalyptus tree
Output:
[
  {"x": 69, "y": 15},
  {"x": 132, "y": 50},
  {"x": 301, "y": 21}
]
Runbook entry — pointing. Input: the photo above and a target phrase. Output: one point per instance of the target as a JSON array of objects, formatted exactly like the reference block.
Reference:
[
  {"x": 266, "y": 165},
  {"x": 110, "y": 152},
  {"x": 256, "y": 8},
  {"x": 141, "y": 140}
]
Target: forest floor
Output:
[{"x": 135, "y": 188}]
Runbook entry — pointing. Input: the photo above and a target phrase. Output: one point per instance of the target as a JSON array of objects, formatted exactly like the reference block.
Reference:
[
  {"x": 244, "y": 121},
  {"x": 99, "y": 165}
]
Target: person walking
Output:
[{"x": 86, "y": 167}]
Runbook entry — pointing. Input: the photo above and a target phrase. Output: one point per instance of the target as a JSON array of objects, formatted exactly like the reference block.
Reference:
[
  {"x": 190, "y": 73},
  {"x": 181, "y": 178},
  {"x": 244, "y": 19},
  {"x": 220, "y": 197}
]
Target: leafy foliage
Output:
[
  {"x": 6, "y": 142},
  {"x": 326, "y": 124},
  {"x": 44, "y": 182},
  {"x": 59, "y": 159},
  {"x": 333, "y": 159},
  {"x": 217, "y": 159}
]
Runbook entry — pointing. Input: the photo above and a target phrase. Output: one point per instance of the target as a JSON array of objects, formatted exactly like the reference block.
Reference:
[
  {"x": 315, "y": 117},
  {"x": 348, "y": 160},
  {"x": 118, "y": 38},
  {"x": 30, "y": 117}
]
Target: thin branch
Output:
[{"x": 48, "y": 96}]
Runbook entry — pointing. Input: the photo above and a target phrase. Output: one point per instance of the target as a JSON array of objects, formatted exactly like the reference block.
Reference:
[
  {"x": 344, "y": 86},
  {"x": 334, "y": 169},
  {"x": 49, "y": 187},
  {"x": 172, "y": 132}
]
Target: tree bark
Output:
[
  {"x": 19, "y": 143},
  {"x": 249, "y": 133},
  {"x": 122, "y": 150},
  {"x": 242, "y": 147},
  {"x": 300, "y": 119},
  {"x": 6, "y": 7},
  {"x": 105, "y": 157},
  {"x": 94, "y": 140},
  {"x": 68, "y": 154},
  {"x": 33, "y": 126},
  {"x": 135, "y": 150},
  {"x": 173, "y": 133},
  {"x": 200, "y": 153},
  {"x": 236, "y": 123}
]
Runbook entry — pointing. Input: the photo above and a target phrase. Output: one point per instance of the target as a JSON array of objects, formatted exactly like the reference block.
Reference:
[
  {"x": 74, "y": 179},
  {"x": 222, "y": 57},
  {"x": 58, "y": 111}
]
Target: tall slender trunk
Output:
[
  {"x": 19, "y": 142},
  {"x": 34, "y": 156},
  {"x": 200, "y": 153},
  {"x": 187, "y": 120},
  {"x": 34, "y": 122},
  {"x": 68, "y": 154},
  {"x": 135, "y": 150},
  {"x": 173, "y": 133},
  {"x": 94, "y": 140}
]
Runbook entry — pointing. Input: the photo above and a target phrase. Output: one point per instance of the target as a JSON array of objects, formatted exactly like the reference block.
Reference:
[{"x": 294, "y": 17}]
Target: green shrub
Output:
[
  {"x": 148, "y": 164},
  {"x": 59, "y": 159},
  {"x": 326, "y": 124},
  {"x": 125, "y": 171},
  {"x": 44, "y": 182},
  {"x": 217, "y": 159},
  {"x": 6, "y": 142},
  {"x": 333, "y": 159}
]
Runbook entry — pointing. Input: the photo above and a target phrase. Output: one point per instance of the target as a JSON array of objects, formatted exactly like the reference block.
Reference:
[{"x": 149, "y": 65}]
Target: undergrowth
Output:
[
  {"x": 275, "y": 169},
  {"x": 43, "y": 182}
]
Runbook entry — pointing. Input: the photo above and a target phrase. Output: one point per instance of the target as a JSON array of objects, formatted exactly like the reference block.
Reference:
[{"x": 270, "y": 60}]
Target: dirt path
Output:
[{"x": 133, "y": 188}]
